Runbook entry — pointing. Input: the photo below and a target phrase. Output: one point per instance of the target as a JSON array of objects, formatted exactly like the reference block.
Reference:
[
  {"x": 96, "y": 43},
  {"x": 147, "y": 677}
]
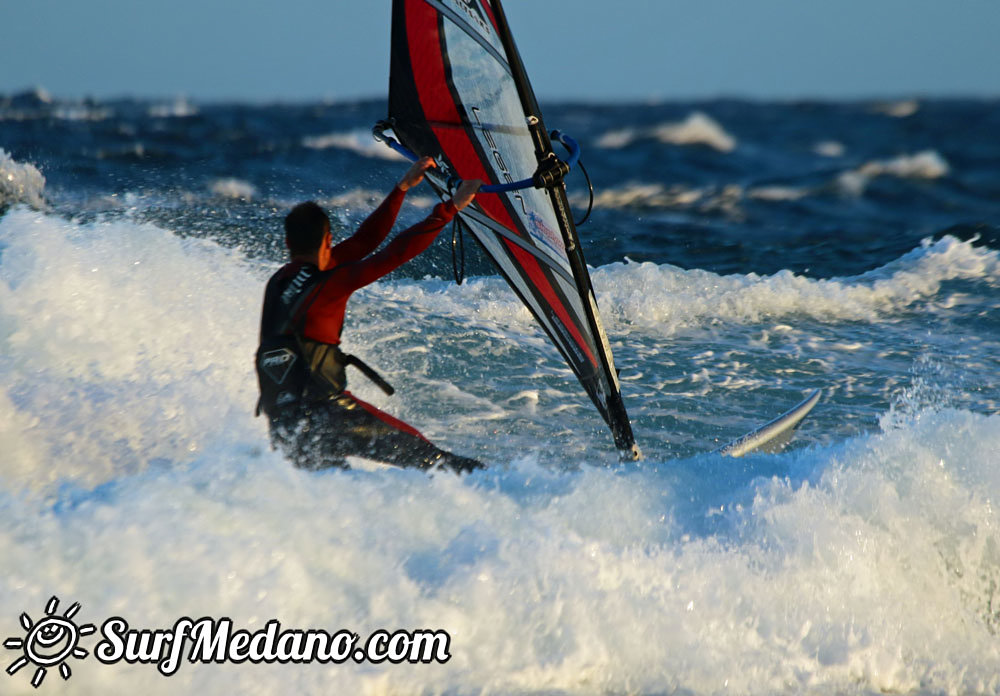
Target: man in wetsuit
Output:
[{"x": 308, "y": 297}]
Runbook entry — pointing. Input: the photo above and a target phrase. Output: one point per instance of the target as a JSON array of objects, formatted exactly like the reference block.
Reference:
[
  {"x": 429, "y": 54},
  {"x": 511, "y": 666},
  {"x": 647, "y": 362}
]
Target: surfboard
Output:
[{"x": 774, "y": 435}]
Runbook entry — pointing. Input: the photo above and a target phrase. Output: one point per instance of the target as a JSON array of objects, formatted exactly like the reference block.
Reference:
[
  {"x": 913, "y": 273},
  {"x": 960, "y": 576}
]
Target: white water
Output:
[
  {"x": 134, "y": 480},
  {"x": 922, "y": 165},
  {"x": 20, "y": 183},
  {"x": 358, "y": 141},
  {"x": 697, "y": 129},
  {"x": 666, "y": 297},
  {"x": 233, "y": 188},
  {"x": 180, "y": 107}
]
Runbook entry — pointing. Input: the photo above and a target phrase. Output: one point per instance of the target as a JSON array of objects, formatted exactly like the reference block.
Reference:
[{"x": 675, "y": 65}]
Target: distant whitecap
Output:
[
  {"x": 233, "y": 188},
  {"x": 178, "y": 108},
  {"x": 697, "y": 129},
  {"x": 829, "y": 148},
  {"x": 358, "y": 141}
]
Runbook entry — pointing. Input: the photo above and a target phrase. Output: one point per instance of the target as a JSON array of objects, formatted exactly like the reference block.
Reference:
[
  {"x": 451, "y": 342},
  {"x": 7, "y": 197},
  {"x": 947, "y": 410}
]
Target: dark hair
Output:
[{"x": 304, "y": 228}]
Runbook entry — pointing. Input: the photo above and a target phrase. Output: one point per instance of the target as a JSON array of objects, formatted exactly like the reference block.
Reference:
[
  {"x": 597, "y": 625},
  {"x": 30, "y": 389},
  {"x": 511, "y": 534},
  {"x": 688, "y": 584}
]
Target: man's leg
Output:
[
  {"x": 304, "y": 440},
  {"x": 368, "y": 432}
]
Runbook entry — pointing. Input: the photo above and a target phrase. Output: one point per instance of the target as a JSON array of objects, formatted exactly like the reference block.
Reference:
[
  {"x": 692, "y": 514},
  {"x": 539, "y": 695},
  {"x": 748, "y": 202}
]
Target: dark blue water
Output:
[{"x": 713, "y": 210}]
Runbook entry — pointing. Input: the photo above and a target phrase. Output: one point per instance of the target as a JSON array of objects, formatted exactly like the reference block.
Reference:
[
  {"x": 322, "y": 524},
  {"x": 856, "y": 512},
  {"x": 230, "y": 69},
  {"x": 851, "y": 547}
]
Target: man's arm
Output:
[
  {"x": 407, "y": 244},
  {"x": 373, "y": 231}
]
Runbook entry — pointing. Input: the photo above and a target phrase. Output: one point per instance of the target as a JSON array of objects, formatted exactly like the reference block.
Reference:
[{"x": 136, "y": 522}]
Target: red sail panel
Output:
[{"x": 457, "y": 93}]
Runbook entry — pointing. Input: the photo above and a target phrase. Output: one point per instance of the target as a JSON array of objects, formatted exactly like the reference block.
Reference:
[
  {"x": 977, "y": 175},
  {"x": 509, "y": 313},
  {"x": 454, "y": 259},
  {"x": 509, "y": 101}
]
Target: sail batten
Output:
[{"x": 459, "y": 93}]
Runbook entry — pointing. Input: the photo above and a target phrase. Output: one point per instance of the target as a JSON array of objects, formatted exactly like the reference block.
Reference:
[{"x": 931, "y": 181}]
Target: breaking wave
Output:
[
  {"x": 697, "y": 129},
  {"x": 664, "y": 298},
  {"x": 136, "y": 482},
  {"x": 233, "y": 188},
  {"x": 922, "y": 165},
  {"x": 358, "y": 141},
  {"x": 20, "y": 183}
]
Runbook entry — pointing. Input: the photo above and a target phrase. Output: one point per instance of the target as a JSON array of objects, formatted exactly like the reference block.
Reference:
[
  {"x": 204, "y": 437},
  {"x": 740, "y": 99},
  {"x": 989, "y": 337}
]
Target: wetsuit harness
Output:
[{"x": 292, "y": 369}]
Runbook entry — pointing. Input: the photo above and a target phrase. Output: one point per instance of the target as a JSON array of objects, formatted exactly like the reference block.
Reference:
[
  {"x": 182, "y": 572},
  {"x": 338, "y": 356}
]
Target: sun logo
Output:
[{"x": 50, "y": 642}]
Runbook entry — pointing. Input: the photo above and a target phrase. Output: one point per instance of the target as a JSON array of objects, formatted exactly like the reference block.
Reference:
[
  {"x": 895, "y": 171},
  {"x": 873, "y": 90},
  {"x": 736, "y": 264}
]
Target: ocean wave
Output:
[
  {"x": 872, "y": 566},
  {"x": 81, "y": 111},
  {"x": 133, "y": 301},
  {"x": 25, "y": 106},
  {"x": 709, "y": 200},
  {"x": 922, "y": 165},
  {"x": 642, "y": 195},
  {"x": 829, "y": 148},
  {"x": 779, "y": 193},
  {"x": 34, "y": 97},
  {"x": 667, "y": 299},
  {"x": 39, "y": 104},
  {"x": 233, "y": 188},
  {"x": 903, "y": 108},
  {"x": 697, "y": 129},
  {"x": 927, "y": 164},
  {"x": 363, "y": 201},
  {"x": 20, "y": 183},
  {"x": 180, "y": 107},
  {"x": 134, "y": 474},
  {"x": 358, "y": 141}
]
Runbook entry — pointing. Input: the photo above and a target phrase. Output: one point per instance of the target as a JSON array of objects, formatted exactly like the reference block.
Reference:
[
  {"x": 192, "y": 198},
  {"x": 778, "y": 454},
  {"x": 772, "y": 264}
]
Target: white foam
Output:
[
  {"x": 41, "y": 95},
  {"x": 829, "y": 148},
  {"x": 80, "y": 111},
  {"x": 866, "y": 566},
  {"x": 104, "y": 323},
  {"x": 358, "y": 141},
  {"x": 877, "y": 571},
  {"x": 898, "y": 109},
  {"x": 697, "y": 129},
  {"x": 665, "y": 298},
  {"x": 233, "y": 188},
  {"x": 366, "y": 200},
  {"x": 725, "y": 200},
  {"x": 20, "y": 183},
  {"x": 642, "y": 195},
  {"x": 927, "y": 164},
  {"x": 617, "y": 139},
  {"x": 922, "y": 165},
  {"x": 180, "y": 107},
  {"x": 778, "y": 193}
]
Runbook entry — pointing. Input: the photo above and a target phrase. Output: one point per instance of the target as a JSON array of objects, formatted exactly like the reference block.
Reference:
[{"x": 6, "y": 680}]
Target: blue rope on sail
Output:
[{"x": 574, "y": 156}]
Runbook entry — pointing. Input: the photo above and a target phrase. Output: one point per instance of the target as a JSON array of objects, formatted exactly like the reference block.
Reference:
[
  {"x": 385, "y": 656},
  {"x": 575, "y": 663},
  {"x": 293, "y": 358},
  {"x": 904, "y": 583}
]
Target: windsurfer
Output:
[{"x": 306, "y": 299}]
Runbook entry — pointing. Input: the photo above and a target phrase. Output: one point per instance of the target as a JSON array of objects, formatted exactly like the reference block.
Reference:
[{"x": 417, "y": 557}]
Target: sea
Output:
[{"x": 743, "y": 253}]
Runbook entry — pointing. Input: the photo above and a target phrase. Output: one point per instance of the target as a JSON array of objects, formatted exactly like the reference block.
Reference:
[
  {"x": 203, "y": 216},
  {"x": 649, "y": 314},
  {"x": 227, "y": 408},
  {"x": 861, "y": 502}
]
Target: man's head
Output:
[{"x": 306, "y": 230}]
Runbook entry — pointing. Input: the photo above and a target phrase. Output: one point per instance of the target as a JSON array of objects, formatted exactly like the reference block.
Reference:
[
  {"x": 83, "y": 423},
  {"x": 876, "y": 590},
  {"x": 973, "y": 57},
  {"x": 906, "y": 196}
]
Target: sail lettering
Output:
[{"x": 498, "y": 158}]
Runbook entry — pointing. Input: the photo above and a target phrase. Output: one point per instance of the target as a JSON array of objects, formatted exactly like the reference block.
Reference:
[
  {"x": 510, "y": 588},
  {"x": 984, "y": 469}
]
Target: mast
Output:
[{"x": 621, "y": 426}]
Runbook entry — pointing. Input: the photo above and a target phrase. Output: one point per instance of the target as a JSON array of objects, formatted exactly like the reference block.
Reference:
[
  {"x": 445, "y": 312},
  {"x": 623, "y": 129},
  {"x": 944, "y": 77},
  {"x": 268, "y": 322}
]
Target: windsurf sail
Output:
[{"x": 458, "y": 92}]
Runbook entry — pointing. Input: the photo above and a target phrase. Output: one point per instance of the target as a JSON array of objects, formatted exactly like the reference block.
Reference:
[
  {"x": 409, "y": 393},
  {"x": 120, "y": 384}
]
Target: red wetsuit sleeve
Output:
[
  {"x": 325, "y": 316},
  {"x": 407, "y": 245},
  {"x": 372, "y": 232}
]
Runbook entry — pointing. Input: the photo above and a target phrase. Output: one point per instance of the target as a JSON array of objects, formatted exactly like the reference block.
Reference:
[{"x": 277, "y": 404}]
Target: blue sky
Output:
[{"x": 264, "y": 50}]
